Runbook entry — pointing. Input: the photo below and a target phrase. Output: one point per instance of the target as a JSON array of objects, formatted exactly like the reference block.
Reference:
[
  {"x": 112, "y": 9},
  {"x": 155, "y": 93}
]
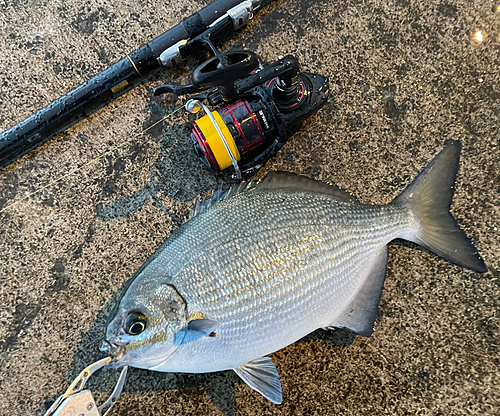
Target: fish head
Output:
[{"x": 147, "y": 326}]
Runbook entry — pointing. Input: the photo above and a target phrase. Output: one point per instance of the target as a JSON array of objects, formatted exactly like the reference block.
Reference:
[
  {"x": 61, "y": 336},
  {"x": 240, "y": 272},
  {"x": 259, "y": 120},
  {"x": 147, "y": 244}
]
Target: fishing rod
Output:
[{"x": 229, "y": 15}]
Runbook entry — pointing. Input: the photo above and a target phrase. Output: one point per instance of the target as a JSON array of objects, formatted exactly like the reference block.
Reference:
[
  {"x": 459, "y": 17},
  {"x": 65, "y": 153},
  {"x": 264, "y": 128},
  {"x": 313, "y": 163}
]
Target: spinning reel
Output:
[{"x": 257, "y": 107}]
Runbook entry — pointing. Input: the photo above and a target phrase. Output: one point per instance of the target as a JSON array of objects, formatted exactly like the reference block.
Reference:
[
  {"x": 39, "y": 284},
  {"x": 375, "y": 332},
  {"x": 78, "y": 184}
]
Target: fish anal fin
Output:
[
  {"x": 292, "y": 181},
  {"x": 361, "y": 314},
  {"x": 262, "y": 376}
]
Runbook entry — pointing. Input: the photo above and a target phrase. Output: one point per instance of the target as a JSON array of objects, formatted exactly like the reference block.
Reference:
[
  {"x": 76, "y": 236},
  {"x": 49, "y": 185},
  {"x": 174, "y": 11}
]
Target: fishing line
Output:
[{"x": 91, "y": 162}]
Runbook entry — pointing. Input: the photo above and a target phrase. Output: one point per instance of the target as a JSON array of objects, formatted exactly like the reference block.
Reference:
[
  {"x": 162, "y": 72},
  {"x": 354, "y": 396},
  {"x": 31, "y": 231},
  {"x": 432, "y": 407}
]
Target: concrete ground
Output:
[{"x": 405, "y": 77}]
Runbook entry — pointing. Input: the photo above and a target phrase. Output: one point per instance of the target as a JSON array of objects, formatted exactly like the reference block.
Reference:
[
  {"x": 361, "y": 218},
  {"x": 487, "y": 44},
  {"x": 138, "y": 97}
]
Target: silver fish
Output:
[{"x": 268, "y": 264}]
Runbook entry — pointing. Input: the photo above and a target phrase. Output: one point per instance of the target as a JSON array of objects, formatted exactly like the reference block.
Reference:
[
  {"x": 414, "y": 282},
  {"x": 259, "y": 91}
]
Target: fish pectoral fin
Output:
[
  {"x": 262, "y": 376},
  {"x": 361, "y": 314},
  {"x": 198, "y": 328}
]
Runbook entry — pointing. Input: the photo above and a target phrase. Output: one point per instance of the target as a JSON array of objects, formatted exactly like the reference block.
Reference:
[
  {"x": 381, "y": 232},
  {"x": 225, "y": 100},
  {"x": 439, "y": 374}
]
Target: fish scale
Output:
[{"x": 263, "y": 266}]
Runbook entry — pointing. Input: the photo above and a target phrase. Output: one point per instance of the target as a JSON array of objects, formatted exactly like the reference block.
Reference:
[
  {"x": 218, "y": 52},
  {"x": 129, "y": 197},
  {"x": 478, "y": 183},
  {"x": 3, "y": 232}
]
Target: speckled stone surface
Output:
[{"x": 405, "y": 77}]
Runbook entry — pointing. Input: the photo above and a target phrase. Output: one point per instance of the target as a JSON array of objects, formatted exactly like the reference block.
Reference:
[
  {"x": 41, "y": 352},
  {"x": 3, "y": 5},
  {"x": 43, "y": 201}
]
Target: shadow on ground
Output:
[{"x": 178, "y": 174}]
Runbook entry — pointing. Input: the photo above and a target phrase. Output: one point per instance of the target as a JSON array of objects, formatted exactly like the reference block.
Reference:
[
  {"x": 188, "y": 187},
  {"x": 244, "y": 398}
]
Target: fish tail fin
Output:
[{"x": 428, "y": 199}]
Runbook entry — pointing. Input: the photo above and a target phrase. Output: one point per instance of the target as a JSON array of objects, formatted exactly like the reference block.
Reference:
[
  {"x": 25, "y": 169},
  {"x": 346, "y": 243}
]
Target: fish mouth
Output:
[{"x": 115, "y": 349}]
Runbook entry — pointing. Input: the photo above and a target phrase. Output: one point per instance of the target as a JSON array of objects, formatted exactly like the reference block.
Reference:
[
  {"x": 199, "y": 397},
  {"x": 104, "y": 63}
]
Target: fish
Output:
[{"x": 259, "y": 267}]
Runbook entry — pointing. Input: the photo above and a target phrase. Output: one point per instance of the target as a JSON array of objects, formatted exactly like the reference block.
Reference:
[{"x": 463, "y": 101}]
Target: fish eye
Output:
[{"x": 136, "y": 323}]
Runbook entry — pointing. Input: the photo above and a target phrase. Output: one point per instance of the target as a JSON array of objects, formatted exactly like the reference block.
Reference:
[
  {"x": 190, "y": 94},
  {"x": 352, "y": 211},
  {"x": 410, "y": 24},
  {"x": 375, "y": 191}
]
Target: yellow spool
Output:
[{"x": 214, "y": 141}]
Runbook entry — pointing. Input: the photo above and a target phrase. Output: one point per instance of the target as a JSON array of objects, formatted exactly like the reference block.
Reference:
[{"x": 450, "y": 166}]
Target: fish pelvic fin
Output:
[
  {"x": 428, "y": 199},
  {"x": 262, "y": 376}
]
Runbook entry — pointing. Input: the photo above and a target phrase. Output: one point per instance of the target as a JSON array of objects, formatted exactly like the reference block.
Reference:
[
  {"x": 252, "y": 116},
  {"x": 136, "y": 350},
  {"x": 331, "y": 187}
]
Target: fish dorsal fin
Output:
[
  {"x": 292, "y": 181},
  {"x": 274, "y": 180},
  {"x": 219, "y": 195},
  {"x": 262, "y": 376},
  {"x": 360, "y": 315}
]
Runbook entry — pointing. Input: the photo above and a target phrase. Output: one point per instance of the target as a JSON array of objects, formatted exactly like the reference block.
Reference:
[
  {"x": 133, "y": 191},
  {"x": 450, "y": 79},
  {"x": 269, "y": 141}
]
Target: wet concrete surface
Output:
[{"x": 405, "y": 77}]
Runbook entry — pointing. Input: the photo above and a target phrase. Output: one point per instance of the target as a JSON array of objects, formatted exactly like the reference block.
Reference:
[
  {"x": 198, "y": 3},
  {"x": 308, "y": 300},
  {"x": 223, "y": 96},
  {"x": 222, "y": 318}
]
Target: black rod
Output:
[{"x": 103, "y": 88}]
